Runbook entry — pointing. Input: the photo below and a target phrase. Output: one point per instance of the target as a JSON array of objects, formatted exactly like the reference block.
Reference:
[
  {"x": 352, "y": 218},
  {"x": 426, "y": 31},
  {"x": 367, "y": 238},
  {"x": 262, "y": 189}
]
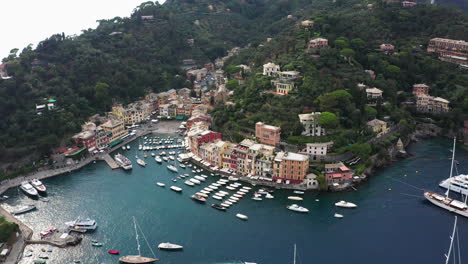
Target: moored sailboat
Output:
[
  {"x": 138, "y": 258},
  {"x": 446, "y": 202}
]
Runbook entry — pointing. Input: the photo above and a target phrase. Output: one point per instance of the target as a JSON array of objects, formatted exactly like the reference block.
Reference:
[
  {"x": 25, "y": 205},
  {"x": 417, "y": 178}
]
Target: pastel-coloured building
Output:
[
  {"x": 290, "y": 167},
  {"x": 337, "y": 173},
  {"x": 266, "y": 134},
  {"x": 420, "y": 89}
]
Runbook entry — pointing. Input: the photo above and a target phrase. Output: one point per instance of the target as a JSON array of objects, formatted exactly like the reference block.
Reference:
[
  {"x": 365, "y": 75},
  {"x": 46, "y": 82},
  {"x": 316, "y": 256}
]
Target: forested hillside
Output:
[{"x": 124, "y": 58}]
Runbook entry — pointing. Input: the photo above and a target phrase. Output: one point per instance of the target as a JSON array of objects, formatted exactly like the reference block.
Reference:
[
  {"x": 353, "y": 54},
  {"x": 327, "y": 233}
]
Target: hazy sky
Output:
[{"x": 30, "y": 21}]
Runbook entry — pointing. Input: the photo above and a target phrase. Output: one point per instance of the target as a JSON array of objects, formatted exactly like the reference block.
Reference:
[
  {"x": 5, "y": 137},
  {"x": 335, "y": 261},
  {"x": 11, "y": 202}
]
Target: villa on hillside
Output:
[
  {"x": 310, "y": 122},
  {"x": 420, "y": 89},
  {"x": 387, "y": 47},
  {"x": 270, "y": 69},
  {"x": 378, "y": 126},
  {"x": 317, "y": 43}
]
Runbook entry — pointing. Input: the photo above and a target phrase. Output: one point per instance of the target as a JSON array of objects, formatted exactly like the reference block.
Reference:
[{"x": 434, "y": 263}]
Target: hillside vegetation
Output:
[{"x": 124, "y": 58}]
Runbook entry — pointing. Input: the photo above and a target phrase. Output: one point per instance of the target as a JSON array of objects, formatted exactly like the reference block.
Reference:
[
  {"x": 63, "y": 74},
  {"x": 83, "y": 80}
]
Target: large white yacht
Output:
[
  {"x": 28, "y": 189},
  {"x": 38, "y": 185},
  {"x": 87, "y": 224},
  {"x": 123, "y": 161},
  {"x": 457, "y": 184}
]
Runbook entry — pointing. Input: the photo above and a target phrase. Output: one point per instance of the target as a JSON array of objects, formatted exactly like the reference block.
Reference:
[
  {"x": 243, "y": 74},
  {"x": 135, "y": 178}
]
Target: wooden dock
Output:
[{"x": 110, "y": 161}]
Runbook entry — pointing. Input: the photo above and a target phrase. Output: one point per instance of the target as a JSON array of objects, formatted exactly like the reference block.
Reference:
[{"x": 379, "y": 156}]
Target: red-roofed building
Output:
[
  {"x": 86, "y": 139},
  {"x": 337, "y": 173},
  {"x": 420, "y": 89}
]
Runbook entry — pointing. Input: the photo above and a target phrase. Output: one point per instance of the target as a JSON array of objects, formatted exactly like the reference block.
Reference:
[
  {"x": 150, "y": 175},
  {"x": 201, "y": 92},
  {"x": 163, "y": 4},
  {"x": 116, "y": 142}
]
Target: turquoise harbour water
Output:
[{"x": 389, "y": 226}]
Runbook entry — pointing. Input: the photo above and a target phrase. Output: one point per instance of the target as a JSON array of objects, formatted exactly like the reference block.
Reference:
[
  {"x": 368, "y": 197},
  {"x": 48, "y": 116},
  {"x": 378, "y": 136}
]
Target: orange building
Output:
[
  {"x": 420, "y": 89},
  {"x": 267, "y": 134},
  {"x": 290, "y": 167}
]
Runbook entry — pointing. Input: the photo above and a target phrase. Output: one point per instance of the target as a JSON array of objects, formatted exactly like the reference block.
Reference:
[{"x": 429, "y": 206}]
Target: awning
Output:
[
  {"x": 114, "y": 143},
  {"x": 76, "y": 152}
]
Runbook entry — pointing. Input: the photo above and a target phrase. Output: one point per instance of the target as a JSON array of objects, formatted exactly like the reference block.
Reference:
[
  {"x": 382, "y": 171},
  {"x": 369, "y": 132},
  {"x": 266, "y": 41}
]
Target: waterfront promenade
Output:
[{"x": 163, "y": 127}]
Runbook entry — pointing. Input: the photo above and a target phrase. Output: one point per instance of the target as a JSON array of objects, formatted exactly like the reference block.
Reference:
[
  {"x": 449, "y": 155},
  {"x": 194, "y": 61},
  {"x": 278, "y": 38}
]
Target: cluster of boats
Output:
[{"x": 33, "y": 188}]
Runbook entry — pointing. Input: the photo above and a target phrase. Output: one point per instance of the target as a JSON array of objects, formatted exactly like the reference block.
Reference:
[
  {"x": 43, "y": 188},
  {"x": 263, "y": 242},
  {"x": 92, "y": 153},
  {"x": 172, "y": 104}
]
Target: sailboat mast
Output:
[
  {"x": 447, "y": 256},
  {"x": 451, "y": 166},
  {"x": 136, "y": 233},
  {"x": 294, "y": 253}
]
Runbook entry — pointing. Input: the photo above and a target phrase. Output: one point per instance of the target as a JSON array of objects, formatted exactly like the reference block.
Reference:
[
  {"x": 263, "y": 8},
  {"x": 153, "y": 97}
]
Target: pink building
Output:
[
  {"x": 267, "y": 134},
  {"x": 371, "y": 74},
  {"x": 208, "y": 136},
  {"x": 337, "y": 173},
  {"x": 408, "y": 4},
  {"x": 317, "y": 43},
  {"x": 387, "y": 47}
]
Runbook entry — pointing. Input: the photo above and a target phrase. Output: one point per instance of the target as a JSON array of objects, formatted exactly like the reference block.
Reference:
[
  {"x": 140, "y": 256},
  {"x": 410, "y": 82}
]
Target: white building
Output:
[
  {"x": 310, "y": 122},
  {"x": 270, "y": 69},
  {"x": 317, "y": 151}
]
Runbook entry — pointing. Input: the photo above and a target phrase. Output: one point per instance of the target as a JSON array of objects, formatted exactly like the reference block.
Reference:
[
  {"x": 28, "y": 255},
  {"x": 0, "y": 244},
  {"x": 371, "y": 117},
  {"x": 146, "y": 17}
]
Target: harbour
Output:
[{"x": 384, "y": 205}]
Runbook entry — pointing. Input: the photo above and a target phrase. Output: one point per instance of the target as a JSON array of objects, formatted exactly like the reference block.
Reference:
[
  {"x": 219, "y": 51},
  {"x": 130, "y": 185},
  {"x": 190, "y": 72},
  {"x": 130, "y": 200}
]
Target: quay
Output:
[
  {"x": 110, "y": 161},
  {"x": 169, "y": 127},
  {"x": 57, "y": 240}
]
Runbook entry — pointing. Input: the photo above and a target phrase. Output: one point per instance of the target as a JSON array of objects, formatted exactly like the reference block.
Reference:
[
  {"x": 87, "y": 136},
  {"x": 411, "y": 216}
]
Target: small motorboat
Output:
[
  {"x": 297, "y": 208},
  {"x": 237, "y": 195},
  {"x": 198, "y": 198},
  {"x": 337, "y": 215},
  {"x": 225, "y": 205},
  {"x": 189, "y": 183},
  {"x": 113, "y": 252},
  {"x": 96, "y": 244},
  {"x": 176, "y": 189},
  {"x": 202, "y": 194},
  {"x": 231, "y": 188},
  {"x": 195, "y": 181},
  {"x": 256, "y": 198},
  {"x": 217, "y": 197},
  {"x": 160, "y": 184},
  {"x": 24, "y": 210},
  {"x": 295, "y": 198},
  {"x": 269, "y": 196},
  {"x": 170, "y": 246},
  {"x": 298, "y": 192},
  {"x": 182, "y": 166},
  {"x": 174, "y": 180},
  {"x": 241, "y": 216},
  {"x": 219, "y": 207},
  {"x": 345, "y": 204}
]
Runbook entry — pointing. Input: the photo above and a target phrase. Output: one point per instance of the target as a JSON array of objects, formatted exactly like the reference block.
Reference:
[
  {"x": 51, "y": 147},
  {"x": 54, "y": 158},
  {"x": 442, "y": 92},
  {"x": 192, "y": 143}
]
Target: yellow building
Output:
[
  {"x": 133, "y": 113},
  {"x": 378, "y": 126},
  {"x": 116, "y": 128}
]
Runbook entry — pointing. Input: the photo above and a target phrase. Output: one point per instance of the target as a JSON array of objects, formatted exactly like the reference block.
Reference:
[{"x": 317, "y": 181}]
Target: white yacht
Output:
[
  {"x": 28, "y": 189},
  {"x": 87, "y": 224},
  {"x": 170, "y": 246},
  {"x": 345, "y": 204},
  {"x": 140, "y": 161},
  {"x": 158, "y": 159},
  {"x": 38, "y": 185},
  {"x": 457, "y": 184},
  {"x": 123, "y": 161},
  {"x": 297, "y": 208},
  {"x": 172, "y": 168}
]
